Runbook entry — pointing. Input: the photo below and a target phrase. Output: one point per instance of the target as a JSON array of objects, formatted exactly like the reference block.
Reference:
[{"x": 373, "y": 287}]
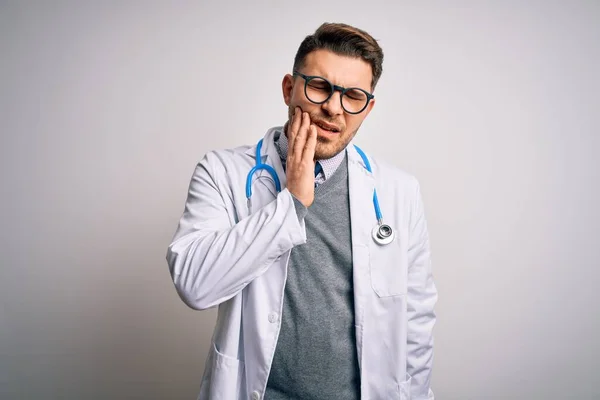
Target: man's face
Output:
[{"x": 339, "y": 70}]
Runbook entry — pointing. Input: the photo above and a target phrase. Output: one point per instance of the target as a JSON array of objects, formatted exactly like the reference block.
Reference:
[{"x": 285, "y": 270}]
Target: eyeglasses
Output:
[{"x": 318, "y": 90}]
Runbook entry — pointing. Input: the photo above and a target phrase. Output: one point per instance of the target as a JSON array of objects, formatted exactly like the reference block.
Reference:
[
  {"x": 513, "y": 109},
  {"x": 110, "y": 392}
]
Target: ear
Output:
[
  {"x": 287, "y": 88},
  {"x": 369, "y": 107}
]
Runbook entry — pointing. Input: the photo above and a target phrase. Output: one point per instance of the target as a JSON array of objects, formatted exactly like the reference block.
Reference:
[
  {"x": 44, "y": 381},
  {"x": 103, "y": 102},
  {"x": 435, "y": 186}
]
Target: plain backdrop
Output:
[{"x": 106, "y": 107}]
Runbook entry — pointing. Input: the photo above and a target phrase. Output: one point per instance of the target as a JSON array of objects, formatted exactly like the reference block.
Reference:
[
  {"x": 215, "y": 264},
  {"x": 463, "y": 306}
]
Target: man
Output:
[{"x": 318, "y": 299}]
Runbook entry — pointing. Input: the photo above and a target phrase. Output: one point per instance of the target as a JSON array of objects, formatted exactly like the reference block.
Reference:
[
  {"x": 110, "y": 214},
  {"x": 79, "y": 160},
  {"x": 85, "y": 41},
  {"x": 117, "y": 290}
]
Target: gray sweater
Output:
[{"x": 316, "y": 356}]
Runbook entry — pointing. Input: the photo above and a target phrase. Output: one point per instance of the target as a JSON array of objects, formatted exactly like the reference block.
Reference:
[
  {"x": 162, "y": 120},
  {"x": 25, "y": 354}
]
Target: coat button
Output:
[
  {"x": 273, "y": 317},
  {"x": 255, "y": 395}
]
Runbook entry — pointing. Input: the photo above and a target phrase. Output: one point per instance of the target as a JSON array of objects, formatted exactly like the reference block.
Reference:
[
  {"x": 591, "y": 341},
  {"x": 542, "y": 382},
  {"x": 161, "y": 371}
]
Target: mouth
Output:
[{"x": 327, "y": 128}]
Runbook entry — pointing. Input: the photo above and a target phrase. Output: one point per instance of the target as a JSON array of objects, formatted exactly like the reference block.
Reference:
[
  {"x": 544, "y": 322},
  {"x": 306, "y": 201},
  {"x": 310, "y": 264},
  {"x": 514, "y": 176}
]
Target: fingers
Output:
[
  {"x": 301, "y": 137},
  {"x": 302, "y": 140},
  {"x": 311, "y": 143},
  {"x": 294, "y": 127}
]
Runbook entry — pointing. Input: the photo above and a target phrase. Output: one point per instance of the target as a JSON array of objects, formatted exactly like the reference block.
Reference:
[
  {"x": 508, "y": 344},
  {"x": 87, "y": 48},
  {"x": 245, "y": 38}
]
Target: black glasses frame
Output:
[{"x": 342, "y": 90}]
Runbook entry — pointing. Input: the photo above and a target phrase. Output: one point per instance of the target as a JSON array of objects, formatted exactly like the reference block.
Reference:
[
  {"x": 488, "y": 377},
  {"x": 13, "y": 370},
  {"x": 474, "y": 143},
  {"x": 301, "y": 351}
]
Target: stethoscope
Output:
[{"x": 382, "y": 233}]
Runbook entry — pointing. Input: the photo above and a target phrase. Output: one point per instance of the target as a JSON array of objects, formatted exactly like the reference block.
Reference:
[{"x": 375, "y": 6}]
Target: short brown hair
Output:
[{"x": 344, "y": 40}]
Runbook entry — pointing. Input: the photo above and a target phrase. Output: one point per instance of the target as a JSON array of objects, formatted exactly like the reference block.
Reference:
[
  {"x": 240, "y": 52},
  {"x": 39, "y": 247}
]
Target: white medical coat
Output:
[{"x": 223, "y": 256}]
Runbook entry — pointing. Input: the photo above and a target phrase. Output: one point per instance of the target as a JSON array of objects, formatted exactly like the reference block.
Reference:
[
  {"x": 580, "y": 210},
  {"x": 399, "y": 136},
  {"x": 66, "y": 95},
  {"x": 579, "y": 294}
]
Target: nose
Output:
[{"x": 333, "y": 106}]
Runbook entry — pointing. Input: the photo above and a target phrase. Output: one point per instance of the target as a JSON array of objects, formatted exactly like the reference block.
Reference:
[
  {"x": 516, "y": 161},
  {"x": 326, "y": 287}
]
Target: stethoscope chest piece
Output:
[{"x": 383, "y": 234}]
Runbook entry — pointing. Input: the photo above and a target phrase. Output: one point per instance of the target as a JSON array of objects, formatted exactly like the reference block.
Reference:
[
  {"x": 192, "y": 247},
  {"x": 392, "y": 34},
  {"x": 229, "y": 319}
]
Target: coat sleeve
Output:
[
  {"x": 210, "y": 259},
  {"x": 422, "y": 296}
]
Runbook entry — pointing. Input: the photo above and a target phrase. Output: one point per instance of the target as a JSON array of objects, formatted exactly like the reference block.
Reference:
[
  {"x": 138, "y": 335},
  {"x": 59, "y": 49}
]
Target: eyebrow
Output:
[{"x": 369, "y": 90}]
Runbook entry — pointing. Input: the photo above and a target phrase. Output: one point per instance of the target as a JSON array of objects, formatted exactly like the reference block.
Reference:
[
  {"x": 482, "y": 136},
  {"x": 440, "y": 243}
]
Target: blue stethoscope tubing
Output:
[{"x": 382, "y": 233}]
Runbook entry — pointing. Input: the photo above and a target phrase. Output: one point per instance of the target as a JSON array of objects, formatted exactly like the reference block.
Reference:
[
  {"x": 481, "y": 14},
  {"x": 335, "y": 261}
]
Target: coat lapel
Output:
[{"x": 362, "y": 216}]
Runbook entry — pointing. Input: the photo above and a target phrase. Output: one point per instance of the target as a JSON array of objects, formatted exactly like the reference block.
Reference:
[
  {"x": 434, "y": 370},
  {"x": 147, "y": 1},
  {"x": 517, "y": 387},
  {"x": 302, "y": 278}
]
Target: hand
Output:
[{"x": 300, "y": 164}]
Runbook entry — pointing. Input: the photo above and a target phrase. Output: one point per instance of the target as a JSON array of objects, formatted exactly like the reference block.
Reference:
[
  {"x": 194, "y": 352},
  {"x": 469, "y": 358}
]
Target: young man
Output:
[{"x": 317, "y": 255}]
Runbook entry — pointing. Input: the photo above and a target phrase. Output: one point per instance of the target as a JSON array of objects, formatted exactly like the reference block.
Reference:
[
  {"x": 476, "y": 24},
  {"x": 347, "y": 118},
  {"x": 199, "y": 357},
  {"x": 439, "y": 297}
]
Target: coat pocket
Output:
[
  {"x": 388, "y": 269},
  {"x": 228, "y": 377},
  {"x": 396, "y": 390},
  {"x": 404, "y": 388}
]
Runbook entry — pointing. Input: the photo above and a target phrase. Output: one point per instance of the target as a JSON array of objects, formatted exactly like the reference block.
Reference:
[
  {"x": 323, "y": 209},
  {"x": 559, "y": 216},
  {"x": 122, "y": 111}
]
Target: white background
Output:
[{"x": 106, "y": 108}]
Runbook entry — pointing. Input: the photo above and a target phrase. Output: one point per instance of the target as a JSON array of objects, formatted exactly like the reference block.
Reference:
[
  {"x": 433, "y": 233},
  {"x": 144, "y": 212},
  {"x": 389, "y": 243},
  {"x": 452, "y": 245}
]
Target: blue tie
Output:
[{"x": 318, "y": 168}]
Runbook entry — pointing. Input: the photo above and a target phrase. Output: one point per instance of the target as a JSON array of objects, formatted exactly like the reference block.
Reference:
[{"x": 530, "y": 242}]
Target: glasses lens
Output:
[
  {"x": 318, "y": 90},
  {"x": 354, "y": 100}
]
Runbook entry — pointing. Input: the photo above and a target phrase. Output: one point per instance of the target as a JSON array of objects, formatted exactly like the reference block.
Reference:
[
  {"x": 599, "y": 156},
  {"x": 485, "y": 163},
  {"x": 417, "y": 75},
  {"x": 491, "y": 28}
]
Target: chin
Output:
[
  {"x": 327, "y": 148},
  {"x": 325, "y": 151}
]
